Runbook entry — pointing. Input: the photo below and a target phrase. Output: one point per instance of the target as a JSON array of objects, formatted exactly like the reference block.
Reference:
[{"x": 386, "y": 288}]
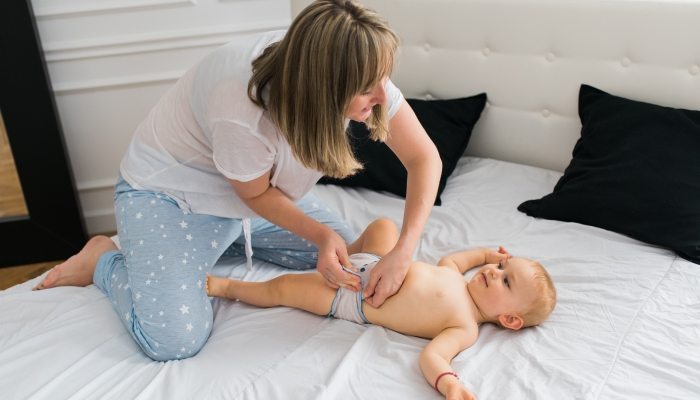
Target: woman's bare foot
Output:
[
  {"x": 78, "y": 270},
  {"x": 216, "y": 287}
]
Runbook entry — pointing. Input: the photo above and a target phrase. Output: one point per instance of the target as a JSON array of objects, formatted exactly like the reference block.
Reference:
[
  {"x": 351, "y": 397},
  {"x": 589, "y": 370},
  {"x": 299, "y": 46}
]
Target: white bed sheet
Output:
[{"x": 627, "y": 324}]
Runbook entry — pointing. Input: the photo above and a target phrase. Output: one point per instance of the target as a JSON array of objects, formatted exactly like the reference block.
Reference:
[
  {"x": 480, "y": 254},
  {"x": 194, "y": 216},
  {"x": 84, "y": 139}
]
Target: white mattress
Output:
[{"x": 627, "y": 324}]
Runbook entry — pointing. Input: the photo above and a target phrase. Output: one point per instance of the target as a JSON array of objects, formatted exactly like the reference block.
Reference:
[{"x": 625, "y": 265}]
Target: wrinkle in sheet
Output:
[{"x": 622, "y": 341}]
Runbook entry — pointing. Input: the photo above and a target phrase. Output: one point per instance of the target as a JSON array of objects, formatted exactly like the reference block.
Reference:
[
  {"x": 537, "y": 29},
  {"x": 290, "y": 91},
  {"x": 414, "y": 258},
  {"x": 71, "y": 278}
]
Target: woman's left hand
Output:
[
  {"x": 386, "y": 277},
  {"x": 415, "y": 150}
]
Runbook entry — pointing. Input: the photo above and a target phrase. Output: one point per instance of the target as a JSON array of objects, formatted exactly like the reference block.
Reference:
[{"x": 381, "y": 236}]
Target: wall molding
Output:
[
  {"x": 99, "y": 213},
  {"x": 100, "y": 221},
  {"x": 116, "y": 82},
  {"x": 156, "y": 41},
  {"x": 97, "y": 184},
  {"x": 101, "y": 7}
]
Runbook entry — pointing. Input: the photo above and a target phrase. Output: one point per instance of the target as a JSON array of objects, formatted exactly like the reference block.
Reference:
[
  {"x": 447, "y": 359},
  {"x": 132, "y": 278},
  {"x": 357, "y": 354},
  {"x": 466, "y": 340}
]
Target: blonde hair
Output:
[
  {"x": 542, "y": 307},
  {"x": 333, "y": 51}
]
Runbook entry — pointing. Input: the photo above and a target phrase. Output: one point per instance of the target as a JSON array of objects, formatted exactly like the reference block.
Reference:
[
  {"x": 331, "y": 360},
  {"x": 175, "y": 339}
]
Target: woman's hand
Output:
[
  {"x": 332, "y": 253},
  {"x": 275, "y": 207},
  {"x": 418, "y": 154},
  {"x": 386, "y": 277}
]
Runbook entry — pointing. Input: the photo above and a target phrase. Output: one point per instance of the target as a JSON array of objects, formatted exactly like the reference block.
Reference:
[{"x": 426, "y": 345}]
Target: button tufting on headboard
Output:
[{"x": 532, "y": 55}]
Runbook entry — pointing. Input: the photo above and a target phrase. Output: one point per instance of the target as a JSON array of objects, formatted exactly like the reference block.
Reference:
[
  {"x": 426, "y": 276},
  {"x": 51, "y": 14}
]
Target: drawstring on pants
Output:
[{"x": 248, "y": 245}]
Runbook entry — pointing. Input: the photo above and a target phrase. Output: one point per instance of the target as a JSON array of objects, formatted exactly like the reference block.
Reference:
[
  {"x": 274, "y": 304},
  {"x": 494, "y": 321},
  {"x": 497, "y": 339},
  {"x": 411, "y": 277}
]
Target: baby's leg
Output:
[
  {"x": 378, "y": 238},
  {"x": 307, "y": 292}
]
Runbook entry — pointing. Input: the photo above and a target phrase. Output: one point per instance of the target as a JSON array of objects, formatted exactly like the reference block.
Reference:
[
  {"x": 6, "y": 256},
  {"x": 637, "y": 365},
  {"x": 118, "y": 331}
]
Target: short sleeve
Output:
[
  {"x": 395, "y": 98},
  {"x": 239, "y": 153}
]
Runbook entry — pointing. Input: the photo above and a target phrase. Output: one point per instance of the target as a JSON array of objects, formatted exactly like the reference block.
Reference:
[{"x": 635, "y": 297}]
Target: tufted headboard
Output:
[{"x": 531, "y": 56}]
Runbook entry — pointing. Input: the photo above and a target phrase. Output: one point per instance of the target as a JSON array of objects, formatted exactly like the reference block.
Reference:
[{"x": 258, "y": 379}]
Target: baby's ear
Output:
[{"x": 511, "y": 321}]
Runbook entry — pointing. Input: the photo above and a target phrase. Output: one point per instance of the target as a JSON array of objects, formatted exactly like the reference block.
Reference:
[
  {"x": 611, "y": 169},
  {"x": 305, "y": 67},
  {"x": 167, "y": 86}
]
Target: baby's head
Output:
[{"x": 515, "y": 293}]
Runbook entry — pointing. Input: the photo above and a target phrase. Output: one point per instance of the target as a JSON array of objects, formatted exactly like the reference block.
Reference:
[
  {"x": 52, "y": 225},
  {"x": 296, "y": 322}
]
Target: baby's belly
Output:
[{"x": 423, "y": 307}]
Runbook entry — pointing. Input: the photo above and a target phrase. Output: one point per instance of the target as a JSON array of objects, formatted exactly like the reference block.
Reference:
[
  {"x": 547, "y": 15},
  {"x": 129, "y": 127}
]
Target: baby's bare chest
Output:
[
  {"x": 429, "y": 301},
  {"x": 435, "y": 288}
]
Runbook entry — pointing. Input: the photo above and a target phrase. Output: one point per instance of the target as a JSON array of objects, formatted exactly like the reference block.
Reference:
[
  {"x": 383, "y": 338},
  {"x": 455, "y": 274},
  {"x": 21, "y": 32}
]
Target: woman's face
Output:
[{"x": 361, "y": 105}]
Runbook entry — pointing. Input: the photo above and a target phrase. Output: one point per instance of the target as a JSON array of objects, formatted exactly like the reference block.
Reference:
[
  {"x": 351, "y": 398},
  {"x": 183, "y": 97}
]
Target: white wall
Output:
[
  {"x": 298, "y": 5},
  {"x": 111, "y": 60}
]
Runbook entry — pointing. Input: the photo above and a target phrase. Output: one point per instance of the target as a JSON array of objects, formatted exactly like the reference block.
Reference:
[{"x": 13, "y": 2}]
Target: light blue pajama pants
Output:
[{"x": 157, "y": 281}]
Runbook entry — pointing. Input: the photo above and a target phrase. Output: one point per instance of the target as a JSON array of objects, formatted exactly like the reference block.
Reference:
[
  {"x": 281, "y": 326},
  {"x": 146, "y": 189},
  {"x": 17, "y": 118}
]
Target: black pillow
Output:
[
  {"x": 635, "y": 171},
  {"x": 449, "y": 124}
]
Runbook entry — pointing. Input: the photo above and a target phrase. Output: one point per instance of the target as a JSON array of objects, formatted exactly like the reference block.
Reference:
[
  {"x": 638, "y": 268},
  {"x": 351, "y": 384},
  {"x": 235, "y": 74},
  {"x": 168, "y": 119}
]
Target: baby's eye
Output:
[
  {"x": 506, "y": 281},
  {"x": 500, "y": 266}
]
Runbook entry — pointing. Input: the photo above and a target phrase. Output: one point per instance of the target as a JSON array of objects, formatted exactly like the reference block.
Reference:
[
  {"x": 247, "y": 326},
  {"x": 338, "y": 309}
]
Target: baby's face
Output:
[{"x": 504, "y": 288}]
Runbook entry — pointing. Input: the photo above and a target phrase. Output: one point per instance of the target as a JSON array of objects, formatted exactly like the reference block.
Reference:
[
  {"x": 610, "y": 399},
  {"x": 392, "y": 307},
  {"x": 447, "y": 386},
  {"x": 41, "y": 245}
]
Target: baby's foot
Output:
[
  {"x": 78, "y": 270},
  {"x": 216, "y": 287}
]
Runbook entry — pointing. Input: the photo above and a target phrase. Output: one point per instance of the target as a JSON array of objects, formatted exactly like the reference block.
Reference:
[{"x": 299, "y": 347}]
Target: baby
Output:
[{"x": 434, "y": 302}]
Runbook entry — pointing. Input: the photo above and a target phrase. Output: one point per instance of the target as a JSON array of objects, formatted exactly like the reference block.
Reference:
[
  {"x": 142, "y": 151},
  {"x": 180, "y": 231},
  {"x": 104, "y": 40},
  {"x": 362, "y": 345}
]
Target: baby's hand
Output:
[
  {"x": 494, "y": 257},
  {"x": 457, "y": 391}
]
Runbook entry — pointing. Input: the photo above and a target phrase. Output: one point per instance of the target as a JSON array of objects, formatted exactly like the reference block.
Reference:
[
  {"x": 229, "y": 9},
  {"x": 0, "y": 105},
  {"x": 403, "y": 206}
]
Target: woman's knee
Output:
[
  {"x": 177, "y": 353},
  {"x": 175, "y": 337}
]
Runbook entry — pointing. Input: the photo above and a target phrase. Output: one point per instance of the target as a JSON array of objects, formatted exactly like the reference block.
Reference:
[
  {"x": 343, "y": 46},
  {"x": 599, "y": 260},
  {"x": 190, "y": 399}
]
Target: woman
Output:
[{"x": 224, "y": 163}]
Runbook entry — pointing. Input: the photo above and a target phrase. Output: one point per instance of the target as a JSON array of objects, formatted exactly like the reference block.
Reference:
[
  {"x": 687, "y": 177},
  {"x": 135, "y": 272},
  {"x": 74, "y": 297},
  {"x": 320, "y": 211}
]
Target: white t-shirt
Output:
[{"x": 205, "y": 127}]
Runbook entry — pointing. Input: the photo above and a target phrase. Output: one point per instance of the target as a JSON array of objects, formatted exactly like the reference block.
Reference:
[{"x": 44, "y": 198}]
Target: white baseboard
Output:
[{"x": 100, "y": 221}]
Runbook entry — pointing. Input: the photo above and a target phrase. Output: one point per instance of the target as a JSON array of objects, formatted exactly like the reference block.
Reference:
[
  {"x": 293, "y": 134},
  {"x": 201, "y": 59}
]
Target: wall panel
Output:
[{"x": 111, "y": 60}]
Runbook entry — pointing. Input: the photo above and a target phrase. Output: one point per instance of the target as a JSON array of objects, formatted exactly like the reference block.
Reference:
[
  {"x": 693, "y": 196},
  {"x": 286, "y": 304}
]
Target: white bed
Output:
[{"x": 627, "y": 323}]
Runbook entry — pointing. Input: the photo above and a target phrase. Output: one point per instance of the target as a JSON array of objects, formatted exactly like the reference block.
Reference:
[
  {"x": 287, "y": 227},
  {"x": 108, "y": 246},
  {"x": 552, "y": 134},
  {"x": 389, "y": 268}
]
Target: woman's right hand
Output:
[{"x": 332, "y": 253}]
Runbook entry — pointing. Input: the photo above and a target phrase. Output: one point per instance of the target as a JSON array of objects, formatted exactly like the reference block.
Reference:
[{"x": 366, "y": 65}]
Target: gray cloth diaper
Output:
[{"x": 347, "y": 304}]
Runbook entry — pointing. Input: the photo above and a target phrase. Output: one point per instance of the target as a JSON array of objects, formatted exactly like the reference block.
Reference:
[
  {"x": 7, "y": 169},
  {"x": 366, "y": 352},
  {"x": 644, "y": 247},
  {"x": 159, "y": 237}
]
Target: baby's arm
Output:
[
  {"x": 466, "y": 260},
  {"x": 435, "y": 360}
]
